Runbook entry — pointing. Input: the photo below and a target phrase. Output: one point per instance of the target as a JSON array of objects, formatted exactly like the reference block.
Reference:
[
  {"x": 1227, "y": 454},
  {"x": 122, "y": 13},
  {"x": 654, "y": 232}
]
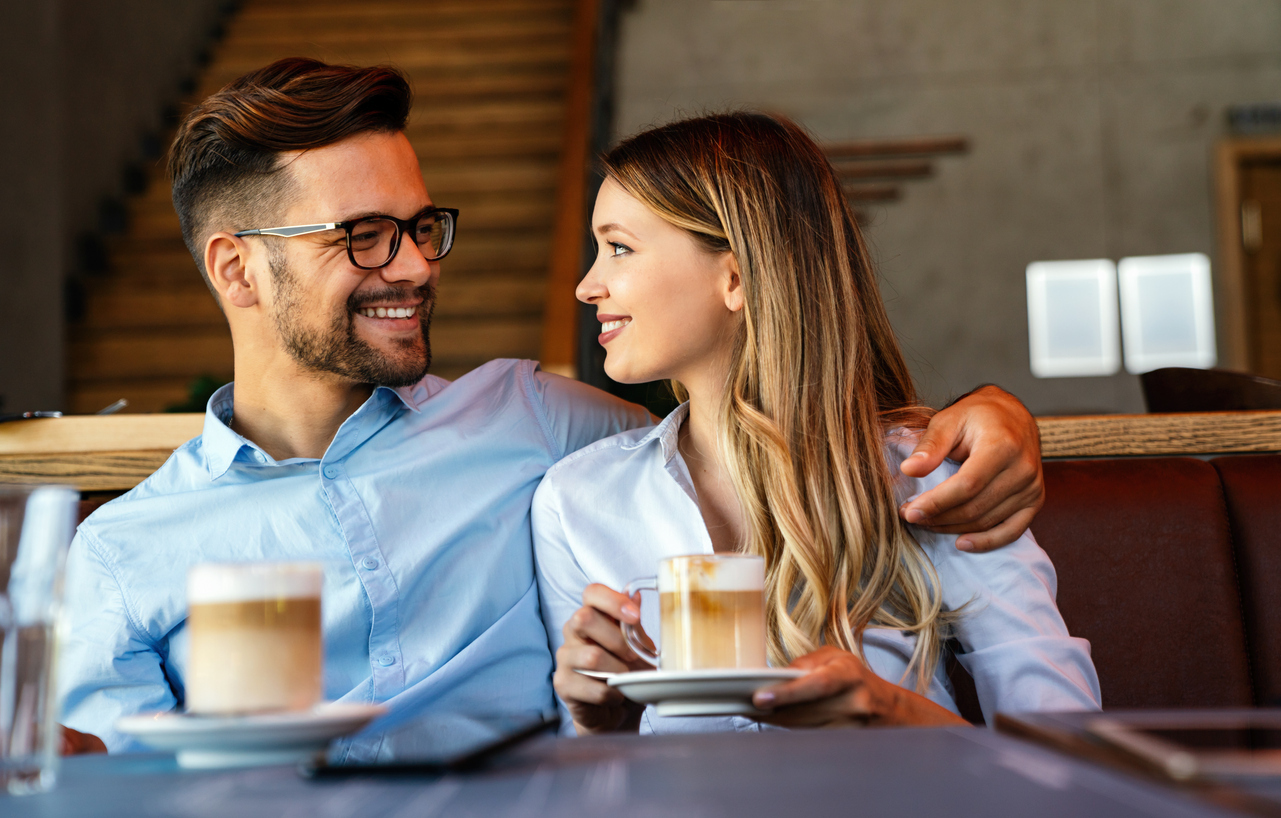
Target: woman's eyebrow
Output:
[{"x": 615, "y": 227}]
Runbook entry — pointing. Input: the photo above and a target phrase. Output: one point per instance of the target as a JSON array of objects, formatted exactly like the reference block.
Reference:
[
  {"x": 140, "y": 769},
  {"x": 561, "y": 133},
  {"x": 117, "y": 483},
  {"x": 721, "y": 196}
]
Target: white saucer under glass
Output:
[
  {"x": 700, "y": 692},
  {"x": 207, "y": 742}
]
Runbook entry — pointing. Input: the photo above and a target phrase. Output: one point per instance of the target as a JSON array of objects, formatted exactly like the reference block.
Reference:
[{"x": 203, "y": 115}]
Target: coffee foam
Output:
[
  {"x": 722, "y": 572},
  {"x": 212, "y": 582}
]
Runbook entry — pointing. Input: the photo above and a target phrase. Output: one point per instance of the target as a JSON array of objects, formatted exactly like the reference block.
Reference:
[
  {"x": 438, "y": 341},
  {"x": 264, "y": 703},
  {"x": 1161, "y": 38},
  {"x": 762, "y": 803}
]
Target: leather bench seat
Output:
[{"x": 1171, "y": 567}]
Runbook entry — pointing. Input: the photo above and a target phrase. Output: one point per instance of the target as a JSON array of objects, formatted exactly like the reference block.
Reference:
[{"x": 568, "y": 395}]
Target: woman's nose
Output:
[{"x": 590, "y": 289}]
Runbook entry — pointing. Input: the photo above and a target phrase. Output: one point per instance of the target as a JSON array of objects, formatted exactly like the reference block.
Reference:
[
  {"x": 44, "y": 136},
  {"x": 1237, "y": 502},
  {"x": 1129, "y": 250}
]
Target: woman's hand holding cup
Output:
[
  {"x": 594, "y": 641},
  {"x": 839, "y": 689}
]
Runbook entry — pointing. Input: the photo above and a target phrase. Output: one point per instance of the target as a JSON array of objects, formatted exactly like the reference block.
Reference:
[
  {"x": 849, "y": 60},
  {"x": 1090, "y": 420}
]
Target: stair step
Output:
[
  {"x": 490, "y": 78},
  {"x": 188, "y": 304},
  {"x": 193, "y": 351}
]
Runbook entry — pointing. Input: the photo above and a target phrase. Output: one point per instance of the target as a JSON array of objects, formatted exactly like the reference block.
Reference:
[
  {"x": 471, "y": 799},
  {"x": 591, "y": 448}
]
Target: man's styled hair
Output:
[{"x": 225, "y": 161}]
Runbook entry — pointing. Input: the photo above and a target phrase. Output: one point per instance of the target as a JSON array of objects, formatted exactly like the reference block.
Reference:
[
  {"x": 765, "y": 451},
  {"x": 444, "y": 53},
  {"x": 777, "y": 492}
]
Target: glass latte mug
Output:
[
  {"x": 712, "y": 613},
  {"x": 255, "y": 637}
]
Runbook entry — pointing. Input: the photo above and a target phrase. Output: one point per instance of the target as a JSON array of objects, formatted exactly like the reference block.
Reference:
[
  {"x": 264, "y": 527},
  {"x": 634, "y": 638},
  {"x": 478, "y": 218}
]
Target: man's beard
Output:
[{"x": 337, "y": 350}]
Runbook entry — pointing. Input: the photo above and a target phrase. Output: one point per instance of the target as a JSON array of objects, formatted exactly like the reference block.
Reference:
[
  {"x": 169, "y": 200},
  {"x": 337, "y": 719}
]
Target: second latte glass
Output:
[{"x": 712, "y": 613}]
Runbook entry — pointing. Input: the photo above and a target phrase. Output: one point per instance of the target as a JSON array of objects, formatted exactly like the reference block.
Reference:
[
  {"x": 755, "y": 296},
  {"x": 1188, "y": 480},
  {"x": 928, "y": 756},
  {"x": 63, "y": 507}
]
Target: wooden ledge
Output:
[
  {"x": 1169, "y": 434},
  {"x": 94, "y": 433},
  {"x": 117, "y": 452}
]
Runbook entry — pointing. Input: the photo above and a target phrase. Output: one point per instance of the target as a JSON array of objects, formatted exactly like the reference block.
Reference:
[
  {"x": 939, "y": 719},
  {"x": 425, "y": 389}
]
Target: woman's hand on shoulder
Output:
[
  {"x": 993, "y": 497},
  {"x": 839, "y": 689},
  {"x": 594, "y": 641}
]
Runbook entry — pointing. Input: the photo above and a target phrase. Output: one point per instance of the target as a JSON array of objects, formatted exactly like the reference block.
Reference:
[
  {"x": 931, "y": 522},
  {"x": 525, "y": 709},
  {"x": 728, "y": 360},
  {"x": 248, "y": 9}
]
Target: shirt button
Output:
[
  {"x": 370, "y": 563},
  {"x": 386, "y": 661},
  {"x": 331, "y": 472}
]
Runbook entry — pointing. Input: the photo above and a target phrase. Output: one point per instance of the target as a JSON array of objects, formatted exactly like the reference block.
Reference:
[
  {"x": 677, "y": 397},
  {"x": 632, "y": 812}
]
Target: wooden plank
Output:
[
  {"x": 480, "y": 340},
  {"x": 116, "y": 305},
  {"x": 884, "y": 169},
  {"x": 1160, "y": 434},
  {"x": 98, "y": 471},
  {"x": 423, "y": 28},
  {"x": 145, "y": 395},
  {"x": 98, "y": 433},
  {"x": 872, "y": 193},
  {"x": 411, "y": 58},
  {"x": 141, "y": 353},
  {"x": 559, "y": 351},
  {"x": 906, "y": 146}
]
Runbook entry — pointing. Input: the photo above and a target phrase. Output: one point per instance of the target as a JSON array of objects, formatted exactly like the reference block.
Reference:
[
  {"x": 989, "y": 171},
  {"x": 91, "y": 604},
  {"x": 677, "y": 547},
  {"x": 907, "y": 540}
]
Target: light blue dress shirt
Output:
[
  {"x": 419, "y": 513},
  {"x": 611, "y": 511}
]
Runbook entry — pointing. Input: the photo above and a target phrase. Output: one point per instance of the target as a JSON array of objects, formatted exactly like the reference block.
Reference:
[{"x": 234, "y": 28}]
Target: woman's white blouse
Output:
[{"x": 610, "y": 512}]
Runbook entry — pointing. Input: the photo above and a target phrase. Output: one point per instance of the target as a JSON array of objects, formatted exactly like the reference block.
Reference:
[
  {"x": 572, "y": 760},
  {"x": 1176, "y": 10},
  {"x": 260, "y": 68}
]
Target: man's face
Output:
[{"x": 326, "y": 311}]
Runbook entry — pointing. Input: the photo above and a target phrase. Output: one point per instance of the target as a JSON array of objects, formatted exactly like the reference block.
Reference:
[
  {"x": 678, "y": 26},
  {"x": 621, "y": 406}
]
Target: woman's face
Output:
[{"x": 668, "y": 308}]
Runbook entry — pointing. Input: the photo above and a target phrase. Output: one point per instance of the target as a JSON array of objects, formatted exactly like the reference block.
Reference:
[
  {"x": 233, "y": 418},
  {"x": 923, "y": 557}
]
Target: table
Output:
[{"x": 956, "y": 772}]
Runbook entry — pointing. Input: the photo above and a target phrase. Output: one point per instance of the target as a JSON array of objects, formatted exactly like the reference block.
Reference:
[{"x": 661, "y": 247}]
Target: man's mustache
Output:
[{"x": 425, "y": 293}]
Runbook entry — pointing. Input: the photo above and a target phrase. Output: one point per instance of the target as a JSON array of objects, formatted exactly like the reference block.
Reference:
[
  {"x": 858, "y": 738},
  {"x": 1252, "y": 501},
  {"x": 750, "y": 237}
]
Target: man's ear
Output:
[
  {"x": 227, "y": 261},
  {"x": 734, "y": 298}
]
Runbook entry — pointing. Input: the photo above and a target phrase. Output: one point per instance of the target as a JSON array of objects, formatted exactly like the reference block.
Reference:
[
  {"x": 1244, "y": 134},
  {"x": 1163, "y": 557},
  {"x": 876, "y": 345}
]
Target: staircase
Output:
[{"x": 490, "y": 79}]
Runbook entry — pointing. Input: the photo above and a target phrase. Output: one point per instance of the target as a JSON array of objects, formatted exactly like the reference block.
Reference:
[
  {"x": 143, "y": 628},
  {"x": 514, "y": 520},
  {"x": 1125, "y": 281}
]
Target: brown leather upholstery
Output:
[
  {"x": 1146, "y": 573},
  {"x": 1252, "y": 487}
]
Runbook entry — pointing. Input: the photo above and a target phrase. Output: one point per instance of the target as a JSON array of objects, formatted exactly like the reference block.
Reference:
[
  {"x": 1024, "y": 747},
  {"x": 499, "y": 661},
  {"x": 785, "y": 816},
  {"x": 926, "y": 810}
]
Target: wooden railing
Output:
[
  {"x": 114, "y": 453},
  {"x": 560, "y": 313}
]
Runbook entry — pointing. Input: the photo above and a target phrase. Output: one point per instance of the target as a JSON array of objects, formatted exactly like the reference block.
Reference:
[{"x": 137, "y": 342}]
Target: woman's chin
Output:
[{"x": 629, "y": 374}]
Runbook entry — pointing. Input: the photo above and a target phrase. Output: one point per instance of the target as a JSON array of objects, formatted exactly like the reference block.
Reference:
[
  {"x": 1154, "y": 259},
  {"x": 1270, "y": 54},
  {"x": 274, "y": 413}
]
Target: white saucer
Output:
[
  {"x": 700, "y": 692},
  {"x": 207, "y": 742}
]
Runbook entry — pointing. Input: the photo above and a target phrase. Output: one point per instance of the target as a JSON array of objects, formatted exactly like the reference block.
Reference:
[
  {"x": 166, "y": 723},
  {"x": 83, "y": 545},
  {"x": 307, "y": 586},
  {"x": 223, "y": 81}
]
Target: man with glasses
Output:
[{"x": 334, "y": 446}]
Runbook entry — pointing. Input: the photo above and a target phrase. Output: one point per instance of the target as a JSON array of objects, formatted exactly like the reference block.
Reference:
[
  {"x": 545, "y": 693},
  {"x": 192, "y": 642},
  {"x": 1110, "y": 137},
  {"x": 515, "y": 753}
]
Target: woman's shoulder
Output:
[
  {"x": 899, "y": 444},
  {"x": 598, "y": 462}
]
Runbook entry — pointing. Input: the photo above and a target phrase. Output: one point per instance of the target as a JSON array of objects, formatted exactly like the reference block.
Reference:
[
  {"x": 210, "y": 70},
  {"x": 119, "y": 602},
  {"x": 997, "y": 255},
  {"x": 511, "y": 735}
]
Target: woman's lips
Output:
[{"x": 610, "y": 326}]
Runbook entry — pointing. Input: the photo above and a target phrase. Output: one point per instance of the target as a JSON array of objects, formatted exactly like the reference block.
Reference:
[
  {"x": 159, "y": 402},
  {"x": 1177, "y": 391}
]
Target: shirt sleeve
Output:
[
  {"x": 1014, "y": 641},
  {"x": 561, "y": 580},
  {"x": 106, "y": 669},
  {"x": 578, "y": 414}
]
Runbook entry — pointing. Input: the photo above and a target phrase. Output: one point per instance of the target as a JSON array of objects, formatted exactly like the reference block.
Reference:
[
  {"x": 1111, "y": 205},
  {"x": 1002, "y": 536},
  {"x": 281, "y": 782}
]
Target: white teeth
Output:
[
  {"x": 610, "y": 326},
  {"x": 389, "y": 312}
]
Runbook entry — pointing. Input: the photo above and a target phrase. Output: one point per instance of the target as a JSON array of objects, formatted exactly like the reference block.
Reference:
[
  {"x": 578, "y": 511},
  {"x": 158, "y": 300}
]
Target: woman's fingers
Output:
[
  {"x": 611, "y": 603},
  {"x": 590, "y": 626},
  {"x": 828, "y": 676}
]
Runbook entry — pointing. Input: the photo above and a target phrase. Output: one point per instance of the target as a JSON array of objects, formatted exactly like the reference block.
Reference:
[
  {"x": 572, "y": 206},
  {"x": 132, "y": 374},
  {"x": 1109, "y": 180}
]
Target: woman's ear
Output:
[
  {"x": 227, "y": 262},
  {"x": 734, "y": 298}
]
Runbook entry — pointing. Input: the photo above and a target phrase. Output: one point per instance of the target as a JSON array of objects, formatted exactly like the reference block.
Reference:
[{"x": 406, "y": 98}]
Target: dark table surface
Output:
[{"x": 955, "y": 772}]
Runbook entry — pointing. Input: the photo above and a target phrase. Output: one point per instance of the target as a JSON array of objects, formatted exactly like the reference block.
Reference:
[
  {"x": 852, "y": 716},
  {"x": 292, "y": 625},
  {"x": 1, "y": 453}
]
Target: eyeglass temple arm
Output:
[{"x": 288, "y": 232}]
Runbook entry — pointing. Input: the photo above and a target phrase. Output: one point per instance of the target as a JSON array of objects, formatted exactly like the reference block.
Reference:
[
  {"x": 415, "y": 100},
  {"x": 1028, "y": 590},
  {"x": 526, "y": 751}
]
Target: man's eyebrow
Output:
[
  {"x": 615, "y": 227},
  {"x": 369, "y": 214}
]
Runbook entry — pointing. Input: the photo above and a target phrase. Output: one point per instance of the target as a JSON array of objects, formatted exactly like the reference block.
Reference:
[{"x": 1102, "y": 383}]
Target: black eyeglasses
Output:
[{"x": 373, "y": 242}]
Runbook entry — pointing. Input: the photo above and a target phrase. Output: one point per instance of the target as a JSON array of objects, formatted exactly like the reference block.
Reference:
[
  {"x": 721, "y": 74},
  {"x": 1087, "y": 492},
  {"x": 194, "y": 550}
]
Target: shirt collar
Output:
[
  {"x": 222, "y": 446},
  {"x": 666, "y": 433}
]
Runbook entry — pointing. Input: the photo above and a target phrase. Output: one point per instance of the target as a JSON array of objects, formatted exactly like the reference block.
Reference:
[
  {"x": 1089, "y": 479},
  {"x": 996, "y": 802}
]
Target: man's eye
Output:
[{"x": 619, "y": 249}]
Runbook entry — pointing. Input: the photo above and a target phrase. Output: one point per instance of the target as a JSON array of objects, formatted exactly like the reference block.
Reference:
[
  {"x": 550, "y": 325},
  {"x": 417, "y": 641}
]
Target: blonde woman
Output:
[{"x": 730, "y": 263}]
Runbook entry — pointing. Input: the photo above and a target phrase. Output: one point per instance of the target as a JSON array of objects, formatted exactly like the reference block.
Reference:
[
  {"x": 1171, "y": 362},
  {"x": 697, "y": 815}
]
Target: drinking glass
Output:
[{"x": 36, "y": 526}]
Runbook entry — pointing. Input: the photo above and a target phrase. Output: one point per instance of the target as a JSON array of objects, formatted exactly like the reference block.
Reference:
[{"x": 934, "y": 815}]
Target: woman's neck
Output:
[{"x": 717, "y": 499}]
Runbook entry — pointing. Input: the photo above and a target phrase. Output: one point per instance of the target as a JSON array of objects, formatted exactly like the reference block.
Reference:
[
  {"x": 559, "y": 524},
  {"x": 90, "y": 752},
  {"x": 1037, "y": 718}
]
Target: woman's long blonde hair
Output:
[{"x": 816, "y": 379}]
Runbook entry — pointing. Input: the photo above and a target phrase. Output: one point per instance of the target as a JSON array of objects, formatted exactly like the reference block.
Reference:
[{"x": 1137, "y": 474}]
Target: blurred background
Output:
[{"x": 975, "y": 138}]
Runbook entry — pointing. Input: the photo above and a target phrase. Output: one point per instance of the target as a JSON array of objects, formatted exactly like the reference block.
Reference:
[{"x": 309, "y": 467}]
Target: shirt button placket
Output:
[{"x": 380, "y": 587}]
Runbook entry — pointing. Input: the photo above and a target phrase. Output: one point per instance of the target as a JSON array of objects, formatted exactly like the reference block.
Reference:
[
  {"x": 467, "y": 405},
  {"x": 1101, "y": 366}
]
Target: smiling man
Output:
[{"x": 303, "y": 205}]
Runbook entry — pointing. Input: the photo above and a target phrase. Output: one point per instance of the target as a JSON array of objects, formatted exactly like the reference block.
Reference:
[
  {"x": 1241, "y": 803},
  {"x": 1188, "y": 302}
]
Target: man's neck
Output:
[{"x": 293, "y": 413}]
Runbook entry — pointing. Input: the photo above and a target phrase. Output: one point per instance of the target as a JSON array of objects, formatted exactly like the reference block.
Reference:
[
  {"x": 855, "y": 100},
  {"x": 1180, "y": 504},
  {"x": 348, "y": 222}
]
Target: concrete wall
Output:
[
  {"x": 84, "y": 80},
  {"x": 1091, "y": 124}
]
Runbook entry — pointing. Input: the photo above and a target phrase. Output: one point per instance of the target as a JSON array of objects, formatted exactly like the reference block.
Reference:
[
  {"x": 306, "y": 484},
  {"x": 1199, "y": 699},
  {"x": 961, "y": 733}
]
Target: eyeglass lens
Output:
[{"x": 372, "y": 240}]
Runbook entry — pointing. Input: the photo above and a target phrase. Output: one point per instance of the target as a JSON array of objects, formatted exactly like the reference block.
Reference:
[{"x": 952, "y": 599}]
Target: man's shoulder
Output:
[
  {"x": 598, "y": 459},
  {"x": 183, "y": 472}
]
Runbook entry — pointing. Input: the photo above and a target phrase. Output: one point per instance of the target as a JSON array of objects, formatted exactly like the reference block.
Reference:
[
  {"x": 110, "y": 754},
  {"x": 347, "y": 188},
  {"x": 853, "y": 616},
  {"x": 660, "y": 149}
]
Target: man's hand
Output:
[
  {"x": 75, "y": 743},
  {"x": 998, "y": 489}
]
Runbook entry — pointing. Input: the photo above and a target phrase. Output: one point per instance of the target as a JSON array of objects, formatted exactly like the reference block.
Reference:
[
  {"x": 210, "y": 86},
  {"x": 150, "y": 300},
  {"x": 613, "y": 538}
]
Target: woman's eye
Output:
[{"x": 619, "y": 249}]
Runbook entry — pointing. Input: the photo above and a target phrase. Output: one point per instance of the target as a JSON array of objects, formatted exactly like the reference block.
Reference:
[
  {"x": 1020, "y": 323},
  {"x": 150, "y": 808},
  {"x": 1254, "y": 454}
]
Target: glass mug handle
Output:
[{"x": 633, "y": 633}]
